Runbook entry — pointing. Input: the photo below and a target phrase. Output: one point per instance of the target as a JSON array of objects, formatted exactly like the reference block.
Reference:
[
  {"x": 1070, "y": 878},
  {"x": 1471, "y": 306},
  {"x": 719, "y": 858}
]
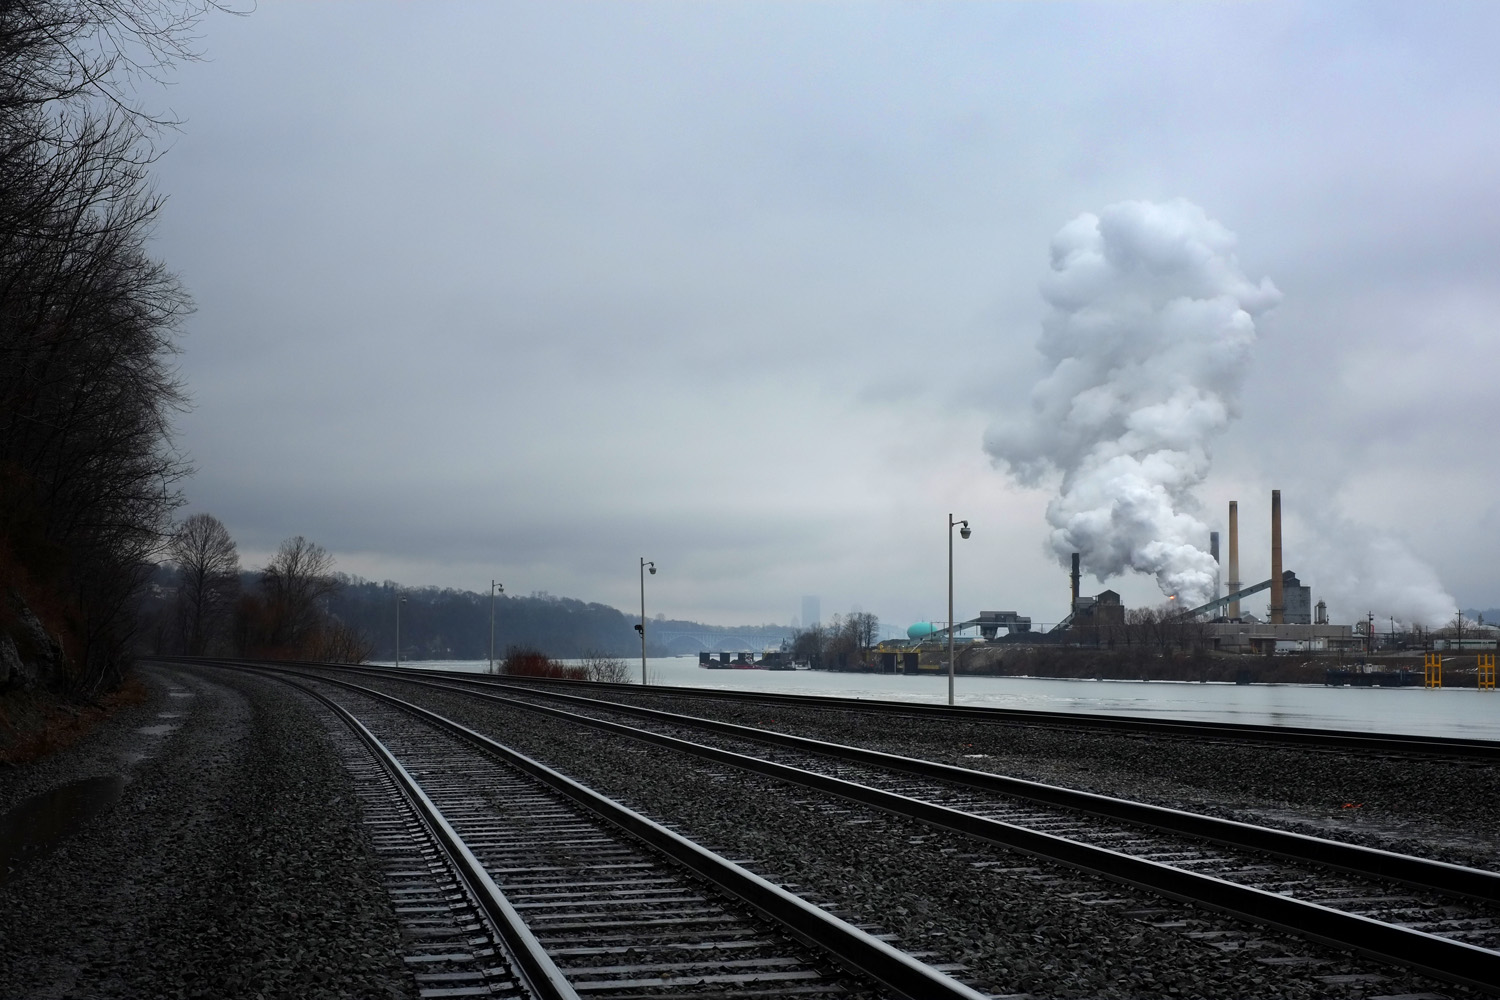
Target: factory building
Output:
[
  {"x": 1298, "y": 600},
  {"x": 1100, "y": 611},
  {"x": 1291, "y": 623},
  {"x": 1091, "y": 612},
  {"x": 1294, "y": 623},
  {"x": 1263, "y": 637}
]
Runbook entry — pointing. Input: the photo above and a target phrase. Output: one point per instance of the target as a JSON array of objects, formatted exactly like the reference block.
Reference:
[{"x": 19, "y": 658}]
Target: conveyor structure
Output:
[{"x": 1226, "y": 600}]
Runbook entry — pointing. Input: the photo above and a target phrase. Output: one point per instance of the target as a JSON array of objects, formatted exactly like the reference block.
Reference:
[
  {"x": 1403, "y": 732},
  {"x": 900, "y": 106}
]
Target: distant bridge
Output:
[{"x": 749, "y": 640}]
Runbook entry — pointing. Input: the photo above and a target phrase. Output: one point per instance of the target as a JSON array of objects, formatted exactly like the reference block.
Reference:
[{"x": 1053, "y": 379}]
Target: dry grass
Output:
[
  {"x": 36, "y": 724},
  {"x": 525, "y": 661}
]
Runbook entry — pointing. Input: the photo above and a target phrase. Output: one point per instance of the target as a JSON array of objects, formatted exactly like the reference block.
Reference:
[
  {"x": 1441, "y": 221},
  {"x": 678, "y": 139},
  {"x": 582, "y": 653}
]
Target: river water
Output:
[{"x": 1458, "y": 712}]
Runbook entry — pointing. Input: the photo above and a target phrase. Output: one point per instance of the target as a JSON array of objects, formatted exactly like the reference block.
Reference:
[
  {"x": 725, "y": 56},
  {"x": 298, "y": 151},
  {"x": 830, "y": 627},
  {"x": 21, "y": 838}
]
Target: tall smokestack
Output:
[
  {"x": 1074, "y": 603},
  {"x": 1213, "y": 550},
  {"x": 1278, "y": 599},
  {"x": 1234, "y": 556}
]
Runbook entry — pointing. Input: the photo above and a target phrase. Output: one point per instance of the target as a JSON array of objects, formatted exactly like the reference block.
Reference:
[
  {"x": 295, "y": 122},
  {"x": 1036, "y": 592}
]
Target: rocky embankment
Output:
[{"x": 203, "y": 843}]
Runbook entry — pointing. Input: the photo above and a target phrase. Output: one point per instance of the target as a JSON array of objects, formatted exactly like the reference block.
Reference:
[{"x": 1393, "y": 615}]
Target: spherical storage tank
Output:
[{"x": 921, "y": 630}]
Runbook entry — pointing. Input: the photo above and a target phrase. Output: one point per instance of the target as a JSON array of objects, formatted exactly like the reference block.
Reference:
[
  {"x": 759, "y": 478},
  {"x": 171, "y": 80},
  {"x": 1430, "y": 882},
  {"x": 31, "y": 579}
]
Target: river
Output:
[{"x": 1457, "y": 712}]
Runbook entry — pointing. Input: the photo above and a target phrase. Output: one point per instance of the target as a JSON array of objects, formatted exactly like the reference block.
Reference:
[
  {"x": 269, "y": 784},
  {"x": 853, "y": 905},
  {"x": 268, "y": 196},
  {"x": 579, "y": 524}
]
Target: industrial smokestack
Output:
[
  {"x": 1145, "y": 300},
  {"x": 1213, "y": 550},
  {"x": 1278, "y": 598},
  {"x": 1234, "y": 556},
  {"x": 1074, "y": 603}
]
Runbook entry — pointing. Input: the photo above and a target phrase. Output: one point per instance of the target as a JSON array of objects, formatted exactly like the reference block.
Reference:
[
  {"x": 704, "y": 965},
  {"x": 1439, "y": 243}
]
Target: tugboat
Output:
[{"x": 776, "y": 659}]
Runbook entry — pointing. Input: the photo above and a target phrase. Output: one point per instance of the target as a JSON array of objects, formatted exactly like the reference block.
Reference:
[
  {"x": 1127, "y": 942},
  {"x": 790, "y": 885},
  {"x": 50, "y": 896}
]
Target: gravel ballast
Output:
[
  {"x": 233, "y": 864},
  {"x": 1017, "y": 924},
  {"x": 1444, "y": 808}
]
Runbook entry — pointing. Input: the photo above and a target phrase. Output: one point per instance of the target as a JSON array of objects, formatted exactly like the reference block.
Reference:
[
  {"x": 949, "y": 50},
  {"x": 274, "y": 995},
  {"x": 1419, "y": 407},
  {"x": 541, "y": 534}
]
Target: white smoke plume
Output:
[
  {"x": 1360, "y": 571},
  {"x": 1147, "y": 343}
]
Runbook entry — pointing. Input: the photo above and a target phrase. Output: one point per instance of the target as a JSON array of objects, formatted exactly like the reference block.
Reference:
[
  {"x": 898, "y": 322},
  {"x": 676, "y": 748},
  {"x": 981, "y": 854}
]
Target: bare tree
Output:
[
  {"x": 604, "y": 668},
  {"x": 863, "y": 628},
  {"x": 88, "y": 320},
  {"x": 849, "y": 638},
  {"x": 296, "y": 579},
  {"x": 810, "y": 644},
  {"x": 338, "y": 642},
  {"x": 1151, "y": 626},
  {"x": 208, "y": 580}
]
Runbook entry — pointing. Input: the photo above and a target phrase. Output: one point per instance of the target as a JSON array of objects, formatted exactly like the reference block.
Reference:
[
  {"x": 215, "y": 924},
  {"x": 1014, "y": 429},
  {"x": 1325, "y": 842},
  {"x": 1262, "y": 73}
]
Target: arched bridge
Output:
[{"x": 748, "y": 640}]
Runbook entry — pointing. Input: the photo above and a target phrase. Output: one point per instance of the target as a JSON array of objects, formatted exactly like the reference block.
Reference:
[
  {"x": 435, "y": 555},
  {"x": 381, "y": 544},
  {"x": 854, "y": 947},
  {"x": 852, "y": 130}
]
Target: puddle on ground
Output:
[
  {"x": 179, "y": 693},
  {"x": 169, "y": 715},
  {"x": 165, "y": 729},
  {"x": 42, "y": 822}
]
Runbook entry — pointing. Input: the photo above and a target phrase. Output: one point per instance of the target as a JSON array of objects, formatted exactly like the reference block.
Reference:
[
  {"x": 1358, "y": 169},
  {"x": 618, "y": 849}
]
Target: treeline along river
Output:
[{"x": 443, "y": 623}]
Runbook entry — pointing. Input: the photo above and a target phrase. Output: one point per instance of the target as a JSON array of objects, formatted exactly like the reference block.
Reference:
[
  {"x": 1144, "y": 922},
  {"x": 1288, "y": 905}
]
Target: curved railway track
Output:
[
  {"x": 545, "y": 888},
  {"x": 1435, "y": 917},
  {"x": 453, "y": 919}
]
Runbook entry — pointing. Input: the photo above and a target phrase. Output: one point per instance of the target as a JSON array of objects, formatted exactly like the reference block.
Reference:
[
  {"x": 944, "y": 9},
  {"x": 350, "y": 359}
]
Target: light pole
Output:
[
  {"x": 493, "y": 587},
  {"x": 964, "y": 531},
  {"x": 399, "y": 601},
  {"x": 641, "y": 628}
]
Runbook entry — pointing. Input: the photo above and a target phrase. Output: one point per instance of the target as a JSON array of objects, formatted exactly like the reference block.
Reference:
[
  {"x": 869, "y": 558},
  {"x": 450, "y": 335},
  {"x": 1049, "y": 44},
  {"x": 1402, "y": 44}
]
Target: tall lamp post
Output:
[
  {"x": 399, "y": 601},
  {"x": 964, "y": 531},
  {"x": 641, "y": 628},
  {"x": 493, "y": 587}
]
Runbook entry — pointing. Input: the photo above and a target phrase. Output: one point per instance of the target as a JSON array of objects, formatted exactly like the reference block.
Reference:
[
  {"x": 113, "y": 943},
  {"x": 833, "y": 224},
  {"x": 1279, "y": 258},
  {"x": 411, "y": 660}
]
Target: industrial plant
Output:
[{"x": 1293, "y": 623}]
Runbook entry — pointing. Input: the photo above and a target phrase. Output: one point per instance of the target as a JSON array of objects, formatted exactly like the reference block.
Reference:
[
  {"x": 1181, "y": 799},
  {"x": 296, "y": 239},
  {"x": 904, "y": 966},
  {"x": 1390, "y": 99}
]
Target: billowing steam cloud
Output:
[
  {"x": 1147, "y": 341},
  {"x": 1359, "y": 571}
]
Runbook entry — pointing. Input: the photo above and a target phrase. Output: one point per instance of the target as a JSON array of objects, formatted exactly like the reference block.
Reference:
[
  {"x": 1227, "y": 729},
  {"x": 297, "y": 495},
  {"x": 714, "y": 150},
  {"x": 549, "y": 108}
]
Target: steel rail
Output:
[
  {"x": 1443, "y": 958},
  {"x": 851, "y": 947},
  {"x": 1305, "y": 736},
  {"x": 530, "y": 961},
  {"x": 1323, "y": 739},
  {"x": 1425, "y": 873}
]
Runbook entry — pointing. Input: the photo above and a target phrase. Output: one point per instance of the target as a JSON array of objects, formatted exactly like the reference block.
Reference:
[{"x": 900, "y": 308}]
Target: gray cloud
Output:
[{"x": 533, "y": 290}]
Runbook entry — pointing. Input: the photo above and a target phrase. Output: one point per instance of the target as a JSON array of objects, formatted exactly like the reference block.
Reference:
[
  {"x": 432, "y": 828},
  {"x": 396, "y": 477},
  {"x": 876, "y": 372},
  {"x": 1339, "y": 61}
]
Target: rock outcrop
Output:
[{"x": 29, "y": 654}]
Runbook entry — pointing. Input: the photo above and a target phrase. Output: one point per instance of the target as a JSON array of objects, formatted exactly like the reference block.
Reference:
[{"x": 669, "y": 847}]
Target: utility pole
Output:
[
  {"x": 493, "y": 587},
  {"x": 964, "y": 531},
  {"x": 646, "y": 564},
  {"x": 399, "y": 601}
]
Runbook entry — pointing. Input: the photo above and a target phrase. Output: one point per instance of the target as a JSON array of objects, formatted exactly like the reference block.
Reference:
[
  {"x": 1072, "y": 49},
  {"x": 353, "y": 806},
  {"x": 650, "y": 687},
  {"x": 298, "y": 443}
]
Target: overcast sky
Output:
[{"x": 528, "y": 291}]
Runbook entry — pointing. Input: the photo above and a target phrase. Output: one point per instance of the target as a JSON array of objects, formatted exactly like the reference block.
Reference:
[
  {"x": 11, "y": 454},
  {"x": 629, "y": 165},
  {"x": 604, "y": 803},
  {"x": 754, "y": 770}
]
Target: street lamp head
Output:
[
  {"x": 964, "y": 532},
  {"x": 652, "y": 568}
]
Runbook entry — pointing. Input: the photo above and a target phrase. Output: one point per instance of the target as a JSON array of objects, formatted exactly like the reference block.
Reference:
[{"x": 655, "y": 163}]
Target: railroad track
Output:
[
  {"x": 514, "y": 880},
  {"x": 1324, "y": 739},
  {"x": 451, "y": 946},
  {"x": 1438, "y": 918}
]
